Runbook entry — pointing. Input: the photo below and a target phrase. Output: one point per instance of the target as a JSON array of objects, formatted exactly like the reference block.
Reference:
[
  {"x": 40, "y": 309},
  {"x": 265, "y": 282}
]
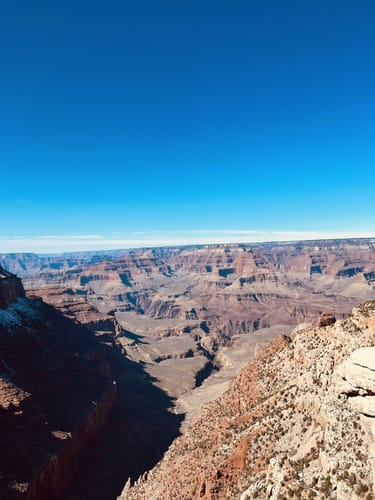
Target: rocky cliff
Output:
[
  {"x": 11, "y": 288},
  {"x": 172, "y": 316},
  {"x": 232, "y": 289},
  {"x": 56, "y": 394},
  {"x": 297, "y": 422}
]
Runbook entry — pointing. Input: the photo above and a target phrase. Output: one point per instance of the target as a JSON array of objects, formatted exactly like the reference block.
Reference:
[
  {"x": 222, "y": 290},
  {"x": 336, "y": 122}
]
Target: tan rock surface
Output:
[{"x": 286, "y": 428}]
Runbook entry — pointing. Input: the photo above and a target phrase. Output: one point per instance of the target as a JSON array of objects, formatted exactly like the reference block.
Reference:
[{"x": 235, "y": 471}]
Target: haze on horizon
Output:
[
  {"x": 54, "y": 244},
  {"x": 154, "y": 123}
]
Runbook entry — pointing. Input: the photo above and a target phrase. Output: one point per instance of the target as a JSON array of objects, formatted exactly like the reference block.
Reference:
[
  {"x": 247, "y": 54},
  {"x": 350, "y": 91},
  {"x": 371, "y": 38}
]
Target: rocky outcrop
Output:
[
  {"x": 326, "y": 319},
  {"x": 11, "y": 288},
  {"x": 356, "y": 380},
  {"x": 358, "y": 372},
  {"x": 56, "y": 394},
  {"x": 297, "y": 422}
]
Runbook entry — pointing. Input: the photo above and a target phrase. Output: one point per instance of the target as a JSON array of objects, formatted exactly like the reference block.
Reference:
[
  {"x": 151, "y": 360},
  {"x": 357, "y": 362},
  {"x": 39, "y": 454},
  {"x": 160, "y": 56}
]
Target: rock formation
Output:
[
  {"x": 168, "y": 319},
  {"x": 211, "y": 294},
  {"x": 77, "y": 416},
  {"x": 297, "y": 422},
  {"x": 229, "y": 289},
  {"x": 11, "y": 288},
  {"x": 56, "y": 394},
  {"x": 326, "y": 319}
]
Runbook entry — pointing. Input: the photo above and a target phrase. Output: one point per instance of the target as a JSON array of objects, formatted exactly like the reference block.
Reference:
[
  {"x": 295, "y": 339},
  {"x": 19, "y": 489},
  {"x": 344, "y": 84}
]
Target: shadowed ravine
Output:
[{"x": 135, "y": 439}]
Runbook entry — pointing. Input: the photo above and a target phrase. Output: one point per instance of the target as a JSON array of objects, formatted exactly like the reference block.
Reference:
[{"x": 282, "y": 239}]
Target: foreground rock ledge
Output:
[
  {"x": 297, "y": 422},
  {"x": 56, "y": 395}
]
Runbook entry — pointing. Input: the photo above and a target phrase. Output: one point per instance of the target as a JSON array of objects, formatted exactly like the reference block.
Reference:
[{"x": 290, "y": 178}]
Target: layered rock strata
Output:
[{"x": 227, "y": 289}]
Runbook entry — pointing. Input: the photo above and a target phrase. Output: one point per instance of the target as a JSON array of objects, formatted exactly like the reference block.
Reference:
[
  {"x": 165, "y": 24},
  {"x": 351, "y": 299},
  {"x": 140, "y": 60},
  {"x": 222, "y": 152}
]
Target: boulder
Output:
[
  {"x": 358, "y": 371},
  {"x": 326, "y": 319}
]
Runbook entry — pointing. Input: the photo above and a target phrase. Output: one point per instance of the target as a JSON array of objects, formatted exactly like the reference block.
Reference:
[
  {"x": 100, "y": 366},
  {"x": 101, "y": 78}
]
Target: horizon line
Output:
[{"x": 59, "y": 244}]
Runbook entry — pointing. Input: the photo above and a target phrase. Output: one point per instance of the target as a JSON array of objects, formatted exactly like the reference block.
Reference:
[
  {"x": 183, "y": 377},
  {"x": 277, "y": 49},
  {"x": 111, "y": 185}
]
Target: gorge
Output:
[{"x": 114, "y": 354}]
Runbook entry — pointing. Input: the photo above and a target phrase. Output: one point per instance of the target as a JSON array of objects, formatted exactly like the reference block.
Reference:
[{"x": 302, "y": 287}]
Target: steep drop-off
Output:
[
  {"x": 205, "y": 297},
  {"x": 297, "y": 422},
  {"x": 78, "y": 417},
  {"x": 56, "y": 394},
  {"x": 168, "y": 318}
]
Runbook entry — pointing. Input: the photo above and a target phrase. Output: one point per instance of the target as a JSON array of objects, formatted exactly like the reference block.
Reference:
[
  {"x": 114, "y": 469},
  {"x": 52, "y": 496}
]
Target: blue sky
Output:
[{"x": 185, "y": 121}]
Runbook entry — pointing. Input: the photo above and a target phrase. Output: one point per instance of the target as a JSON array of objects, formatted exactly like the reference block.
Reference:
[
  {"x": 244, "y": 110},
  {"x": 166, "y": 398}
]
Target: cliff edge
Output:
[
  {"x": 56, "y": 394},
  {"x": 297, "y": 422},
  {"x": 11, "y": 288}
]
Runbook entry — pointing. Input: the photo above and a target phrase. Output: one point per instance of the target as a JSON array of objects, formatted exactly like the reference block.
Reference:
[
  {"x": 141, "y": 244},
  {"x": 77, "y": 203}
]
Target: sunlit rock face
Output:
[
  {"x": 297, "y": 422},
  {"x": 215, "y": 291}
]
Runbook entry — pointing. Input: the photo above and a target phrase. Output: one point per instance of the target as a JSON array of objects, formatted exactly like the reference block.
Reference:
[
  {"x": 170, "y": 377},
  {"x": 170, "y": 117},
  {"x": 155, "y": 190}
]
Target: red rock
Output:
[
  {"x": 55, "y": 395},
  {"x": 326, "y": 319}
]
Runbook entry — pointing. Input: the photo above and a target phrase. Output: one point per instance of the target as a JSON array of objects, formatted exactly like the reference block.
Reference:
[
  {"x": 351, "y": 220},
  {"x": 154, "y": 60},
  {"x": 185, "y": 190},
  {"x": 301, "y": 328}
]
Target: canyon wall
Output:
[
  {"x": 56, "y": 394},
  {"x": 297, "y": 422},
  {"x": 160, "y": 322},
  {"x": 11, "y": 288},
  {"x": 214, "y": 291}
]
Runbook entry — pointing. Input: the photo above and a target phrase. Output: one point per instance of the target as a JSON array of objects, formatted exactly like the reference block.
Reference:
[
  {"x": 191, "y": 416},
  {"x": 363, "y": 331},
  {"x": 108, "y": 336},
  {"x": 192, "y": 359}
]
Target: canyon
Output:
[
  {"x": 56, "y": 394},
  {"x": 161, "y": 335},
  {"x": 296, "y": 422}
]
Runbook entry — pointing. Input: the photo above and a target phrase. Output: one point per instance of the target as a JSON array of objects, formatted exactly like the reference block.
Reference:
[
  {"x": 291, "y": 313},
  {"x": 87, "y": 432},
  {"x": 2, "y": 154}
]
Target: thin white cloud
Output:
[
  {"x": 75, "y": 242},
  {"x": 200, "y": 231},
  {"x": 70, "y": 237}
]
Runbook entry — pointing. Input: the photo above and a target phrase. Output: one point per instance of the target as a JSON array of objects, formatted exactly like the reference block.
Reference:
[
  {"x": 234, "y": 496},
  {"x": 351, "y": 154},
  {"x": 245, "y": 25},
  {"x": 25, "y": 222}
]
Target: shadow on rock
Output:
[{"x": 141, "y": 429}]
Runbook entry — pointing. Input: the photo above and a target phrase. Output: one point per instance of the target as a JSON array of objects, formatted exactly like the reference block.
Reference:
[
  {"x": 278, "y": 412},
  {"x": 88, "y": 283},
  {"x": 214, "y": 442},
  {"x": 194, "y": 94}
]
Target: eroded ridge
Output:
[{"x": 297, "y": 422}]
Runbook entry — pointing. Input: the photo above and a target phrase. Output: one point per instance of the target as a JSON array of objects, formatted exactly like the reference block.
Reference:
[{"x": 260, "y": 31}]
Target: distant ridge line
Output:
[{"x": 269, "y": 244}]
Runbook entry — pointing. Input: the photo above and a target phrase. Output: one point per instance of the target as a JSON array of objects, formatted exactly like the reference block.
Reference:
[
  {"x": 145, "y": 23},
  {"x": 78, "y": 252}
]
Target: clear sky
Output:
[{"x": 189, "y": 120}]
